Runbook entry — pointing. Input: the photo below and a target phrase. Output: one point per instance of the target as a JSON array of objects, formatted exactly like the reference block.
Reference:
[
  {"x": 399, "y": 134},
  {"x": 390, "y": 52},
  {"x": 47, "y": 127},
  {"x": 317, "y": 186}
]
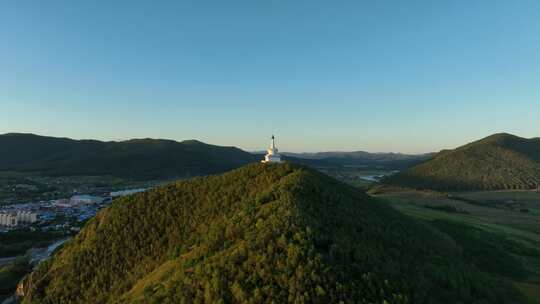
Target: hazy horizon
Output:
[
  {"x": 263, "y": 149},
  {"x": 410, "y": 77}
]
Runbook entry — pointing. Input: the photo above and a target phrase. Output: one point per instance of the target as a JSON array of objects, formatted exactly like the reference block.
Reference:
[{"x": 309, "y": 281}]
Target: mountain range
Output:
[
  {"x": 500, "y": 161},
  {"x": 137, "y": 158},
  {"x": 158, "y": 158}
]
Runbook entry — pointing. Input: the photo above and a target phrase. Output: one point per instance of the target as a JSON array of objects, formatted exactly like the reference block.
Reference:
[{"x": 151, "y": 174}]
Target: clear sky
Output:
[{"x": 403, "y": 76}]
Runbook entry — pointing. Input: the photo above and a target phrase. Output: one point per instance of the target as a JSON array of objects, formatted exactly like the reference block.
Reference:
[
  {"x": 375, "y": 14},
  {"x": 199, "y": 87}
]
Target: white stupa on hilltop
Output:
[{"x": 272, "y": 155}]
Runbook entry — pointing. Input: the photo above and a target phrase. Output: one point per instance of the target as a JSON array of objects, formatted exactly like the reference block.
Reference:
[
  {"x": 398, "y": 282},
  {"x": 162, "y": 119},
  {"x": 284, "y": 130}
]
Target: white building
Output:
[
  {"x": 85, "y": 199},
  {"x": 8, "y": 219},
  {"x": 272, "y": 155},
  {"x": 14, "y": 219},
  {"x": 26, "y": 217}
]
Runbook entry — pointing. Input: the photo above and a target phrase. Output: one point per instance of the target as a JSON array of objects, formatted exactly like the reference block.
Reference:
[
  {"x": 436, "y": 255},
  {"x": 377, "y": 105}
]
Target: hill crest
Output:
[{"x": 500, "y": 161}]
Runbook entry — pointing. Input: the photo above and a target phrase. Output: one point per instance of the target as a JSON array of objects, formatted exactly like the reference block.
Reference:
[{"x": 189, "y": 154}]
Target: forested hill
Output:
[
  {"x": 264, "y": 233},
  {"x": 139, "y": 158},
  {"x": 500, "y": 161}
]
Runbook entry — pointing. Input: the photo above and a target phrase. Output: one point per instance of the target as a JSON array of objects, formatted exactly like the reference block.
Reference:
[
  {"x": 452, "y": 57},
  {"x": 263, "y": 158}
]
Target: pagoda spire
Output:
[{"x": 272, "y": 155}]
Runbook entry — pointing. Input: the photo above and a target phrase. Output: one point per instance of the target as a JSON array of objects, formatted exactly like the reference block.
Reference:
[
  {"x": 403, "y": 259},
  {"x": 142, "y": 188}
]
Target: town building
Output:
[
  {"x": 8, "y": 219},
  {"x": 12, "y": 219},
  {"x": 272, "y": 155},
  {"x": 26, "y": 217}
]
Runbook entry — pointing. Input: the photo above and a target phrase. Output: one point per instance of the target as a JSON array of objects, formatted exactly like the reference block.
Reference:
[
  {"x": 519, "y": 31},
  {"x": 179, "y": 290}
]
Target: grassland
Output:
[{"x": 499, "y": 230}]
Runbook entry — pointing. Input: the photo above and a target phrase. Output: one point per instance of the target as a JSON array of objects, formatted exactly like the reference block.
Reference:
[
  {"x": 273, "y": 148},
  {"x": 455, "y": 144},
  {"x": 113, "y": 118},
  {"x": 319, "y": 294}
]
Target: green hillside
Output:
[
  {"x": 259, "y": 234},
  {"x": 500, "y": 161},
  {"x": 139, "y": 158}
]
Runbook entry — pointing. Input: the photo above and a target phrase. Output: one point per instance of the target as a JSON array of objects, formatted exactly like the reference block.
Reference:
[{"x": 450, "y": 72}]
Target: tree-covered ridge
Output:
[
  {"x": 138, "y": 158},
  {"x": 500, "y": 161},
  {"x": 259, "y": 234}
]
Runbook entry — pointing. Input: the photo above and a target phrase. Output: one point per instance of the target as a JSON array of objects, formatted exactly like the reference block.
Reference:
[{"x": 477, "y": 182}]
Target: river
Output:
[{"x": 37, "y": 254}]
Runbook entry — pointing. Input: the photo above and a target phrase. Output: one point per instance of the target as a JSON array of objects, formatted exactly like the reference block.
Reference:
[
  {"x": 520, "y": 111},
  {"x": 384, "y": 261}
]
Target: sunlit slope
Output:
[
  {"x": 501, "y": 161},
  {"x": 259, "y": 234}
]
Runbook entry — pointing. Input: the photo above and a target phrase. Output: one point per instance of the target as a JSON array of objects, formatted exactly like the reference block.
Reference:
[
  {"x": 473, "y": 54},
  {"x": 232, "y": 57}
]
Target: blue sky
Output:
[{"x": 404, "y": 76}]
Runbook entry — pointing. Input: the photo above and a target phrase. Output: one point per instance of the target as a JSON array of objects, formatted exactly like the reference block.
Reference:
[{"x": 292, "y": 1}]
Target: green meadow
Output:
[{"x": 499, "y": 231}]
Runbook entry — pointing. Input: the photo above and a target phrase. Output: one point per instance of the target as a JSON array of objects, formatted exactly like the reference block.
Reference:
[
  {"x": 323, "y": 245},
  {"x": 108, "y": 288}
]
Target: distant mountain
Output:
[
  {"x": 394, "y": 161},
  {"x": 137, "y": 158},
  {"x": 500, "y": 161},
  {"x": 264, "y": 233},
  {"x": 353, "y": 155}
]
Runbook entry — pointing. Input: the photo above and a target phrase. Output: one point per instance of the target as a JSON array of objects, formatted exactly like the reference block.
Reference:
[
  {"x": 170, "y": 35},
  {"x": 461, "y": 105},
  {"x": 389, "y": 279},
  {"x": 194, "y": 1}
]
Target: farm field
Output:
[{"x": 499, "y": 230}]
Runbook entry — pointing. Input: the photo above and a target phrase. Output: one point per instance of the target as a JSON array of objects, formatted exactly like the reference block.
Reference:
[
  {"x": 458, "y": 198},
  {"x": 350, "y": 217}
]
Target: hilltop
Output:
[
  {"x": 137, "y": 158},
  {"x": 259, "y": 234},
  {"x": 500, "y": 161}
]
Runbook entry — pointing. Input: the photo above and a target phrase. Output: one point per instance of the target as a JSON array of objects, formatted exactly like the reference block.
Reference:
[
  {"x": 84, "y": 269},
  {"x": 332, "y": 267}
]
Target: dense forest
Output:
[
  {"x": 259, "y": 234},
  {"x": 500, "y": 161},
  {"x": 137, "y": 158}
]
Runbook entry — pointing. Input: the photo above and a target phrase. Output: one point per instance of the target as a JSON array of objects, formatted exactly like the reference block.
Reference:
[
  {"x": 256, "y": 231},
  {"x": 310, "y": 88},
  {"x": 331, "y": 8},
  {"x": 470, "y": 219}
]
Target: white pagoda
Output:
[{"x": 272, "y": 155}]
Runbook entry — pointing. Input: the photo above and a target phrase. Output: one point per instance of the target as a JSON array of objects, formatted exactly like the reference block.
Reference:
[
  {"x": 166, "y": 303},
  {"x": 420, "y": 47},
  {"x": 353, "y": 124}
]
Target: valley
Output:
[{"x": 500, "y": 229}]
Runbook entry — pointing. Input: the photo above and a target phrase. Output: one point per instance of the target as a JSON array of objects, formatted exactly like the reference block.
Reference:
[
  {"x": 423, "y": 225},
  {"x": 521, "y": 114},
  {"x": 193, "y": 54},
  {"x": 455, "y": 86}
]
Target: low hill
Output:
[
  {"x": 500, "y": 161},
  {"x": 259, "y": 234},
  {"x": 139, "y": 158}
]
